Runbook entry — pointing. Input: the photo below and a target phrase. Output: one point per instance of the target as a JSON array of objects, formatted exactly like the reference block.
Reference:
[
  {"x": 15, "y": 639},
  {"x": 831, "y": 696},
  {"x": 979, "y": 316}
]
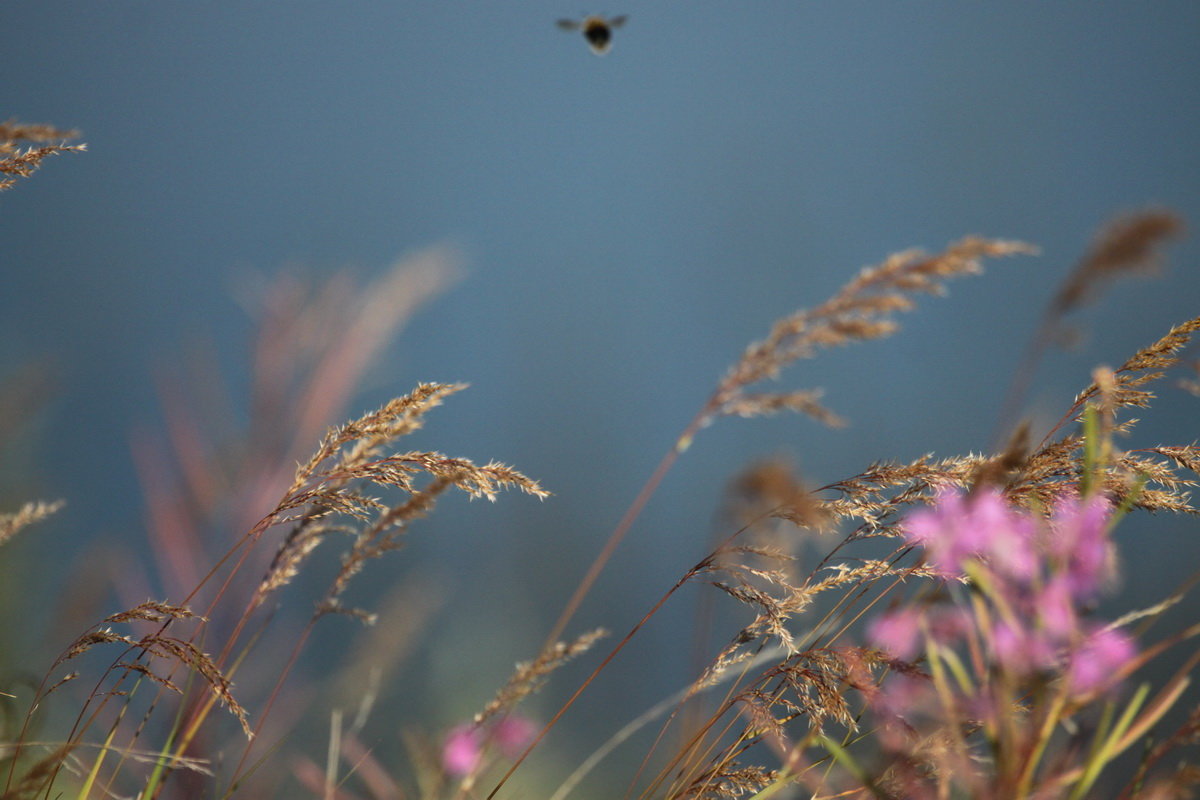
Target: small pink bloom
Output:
[
  {"x": 903, "y": 697},
  {"x": 1056, "y": 608},
  {"x": 985, "y": 705},
  {"x": 941, "y": 532},
  {"x": 1009, "y": 537},
  {"x": 1079, "y": 544},
  {"x": 462, "y": 750},
  {"x": 1095, "y": 662},
  {"x": 948, "y": 624},
  {"x": 464, "y": 746},
  {"x": 898, "y": 633},
  {"x": 513, "y": 733},
  {"x": 959, "y": 528},
  {"x": 1021, "y": 651}
]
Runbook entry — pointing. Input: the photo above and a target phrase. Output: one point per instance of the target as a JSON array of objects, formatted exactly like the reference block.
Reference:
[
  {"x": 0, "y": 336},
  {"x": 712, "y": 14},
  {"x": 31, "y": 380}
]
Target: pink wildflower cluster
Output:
[
  {"x": 1034, "y": 577},
  {"x": 464, "y": 747}
]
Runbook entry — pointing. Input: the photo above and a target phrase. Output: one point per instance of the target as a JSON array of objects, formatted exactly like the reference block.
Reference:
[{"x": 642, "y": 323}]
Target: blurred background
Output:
[{"x": 627, "y": 223}]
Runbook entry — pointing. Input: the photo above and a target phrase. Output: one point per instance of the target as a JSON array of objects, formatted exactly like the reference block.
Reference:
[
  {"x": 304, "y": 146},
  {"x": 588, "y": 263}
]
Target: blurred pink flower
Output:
[
  {"x": 1056, "y": 608},
  {"x": 1095, "y": 663},
  {"x": 898, "y": 633},
  {"x": 1021, "y": 651},
  {"x": 462, "y": 749},
  {"x": 903, "y": 696},
  {"x": 1079, "y": 544},
  {"x": 1034, "y": 573},
  {"x": 1015, "y": 627},
  {"x": 960, "y": 528},
  {"x": 940, "y": 531},
  {"x": 513, "y": 733}
]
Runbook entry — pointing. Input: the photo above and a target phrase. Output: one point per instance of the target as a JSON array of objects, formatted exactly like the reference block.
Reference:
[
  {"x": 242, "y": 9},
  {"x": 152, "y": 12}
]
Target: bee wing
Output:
[
  {"x": 568, "y": 24},
  {"x": 617, "y": 22}
]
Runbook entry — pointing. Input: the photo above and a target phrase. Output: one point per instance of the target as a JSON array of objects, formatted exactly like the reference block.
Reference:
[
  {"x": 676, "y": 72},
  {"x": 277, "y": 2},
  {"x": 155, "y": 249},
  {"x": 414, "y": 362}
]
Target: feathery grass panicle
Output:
[
  {"x": 1145, "y": 366},
  {"x": 26, "y": 515},
  {"x": 806, "y": 685},
  {"x": 879, "y": 494},
  {"x": 774, "y": 599},
  {"x": 333, "y": 483},
  {"x": 1128, "y": 245},
  {"x": 529, "y": 676},
  {"x": 480, "y": 482},
  {"x": 350, "y": 455},
  {"x": 315, "y": 340},
  {"x": 727, "y": 780},
  {"x": 293, "y": 552},
  {"x": 322, "y": 485},
  {"x": 1187, "y": 456},
  {"x": 862, "y": 310},
  {"x": 372, "y": 541},
  {"x": 1147, "y": 477},
  {"x": 150, "y": 611},
  {"x": 803, "y": 401},
  {"x": 101, "y": 635},
  {"x": 308, "y": 363},
  {"x": 16, "y": 162},
  {"x": 372, "y": 431},
  {"x": 157, "y": 645},
  {"x": 788, "y": 707},
  {"x": 1035, "y": 479}
]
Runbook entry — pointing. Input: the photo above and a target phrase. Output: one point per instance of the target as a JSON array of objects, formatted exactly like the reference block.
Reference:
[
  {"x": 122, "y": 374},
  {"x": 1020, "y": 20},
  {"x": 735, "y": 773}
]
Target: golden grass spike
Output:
[
  {"x": 1146, "y": 365},
  {"x": 1129, "y": 244},
  {"x": 530, "y": 675},
  {"x": 21, "y": 163},
  {"x": 26, "y": 515},
  {"x": 13, "y": 131},
  {"x": 860, "y": 311}
]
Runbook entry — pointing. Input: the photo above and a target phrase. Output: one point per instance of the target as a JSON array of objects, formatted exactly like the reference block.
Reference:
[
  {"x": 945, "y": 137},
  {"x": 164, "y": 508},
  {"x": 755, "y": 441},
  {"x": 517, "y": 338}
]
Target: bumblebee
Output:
[{"x": 596, "y": 29}]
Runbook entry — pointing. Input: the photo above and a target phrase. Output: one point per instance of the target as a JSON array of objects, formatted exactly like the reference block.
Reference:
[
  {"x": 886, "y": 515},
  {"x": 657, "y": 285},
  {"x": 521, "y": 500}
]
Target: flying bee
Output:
[{"x": 596, "y": 29}]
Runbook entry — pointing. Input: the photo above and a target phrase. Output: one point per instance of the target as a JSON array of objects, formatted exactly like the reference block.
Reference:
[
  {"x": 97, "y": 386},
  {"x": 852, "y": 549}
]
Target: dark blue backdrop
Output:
[{"x": 631, "y": 223}]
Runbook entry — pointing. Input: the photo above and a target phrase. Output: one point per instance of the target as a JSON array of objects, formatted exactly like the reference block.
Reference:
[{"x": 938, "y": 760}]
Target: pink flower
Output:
[
  {"x": 960, "y": 528},
  {"x": 1056, "y": 608},
  {"x": 940, "y": 531},
  {"x": 513, "y": 733},
  {"x": 464, "y": 746},
  {"x": 1010, "y": 538},
  {"x": 1021, "y": 651},
  {"x": 898, "y": 633},
  {"x": 1096, "y": 661},
  {"x": 1031, "y": 576},
  {"x": 1079, "y": 544},
  {"x": 903, "y": 697},
  {"x": 948, "y": 624},
  {"x": 462, "y": 750}
]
